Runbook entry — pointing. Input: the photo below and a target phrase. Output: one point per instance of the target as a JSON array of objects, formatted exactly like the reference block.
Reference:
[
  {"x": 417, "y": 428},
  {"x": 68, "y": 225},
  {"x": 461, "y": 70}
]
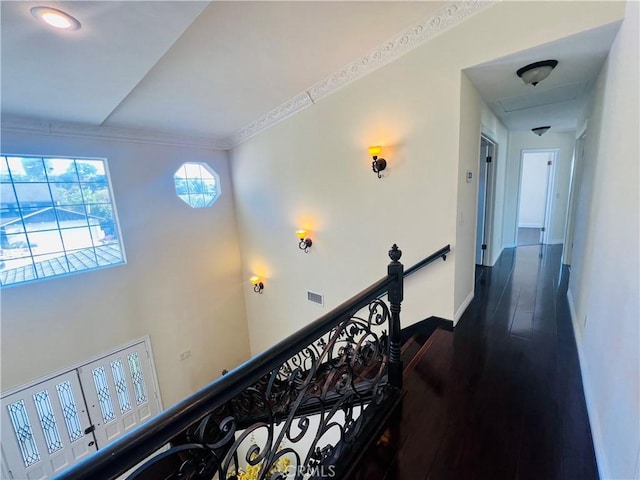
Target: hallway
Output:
[{"x": 501, "y": 397}]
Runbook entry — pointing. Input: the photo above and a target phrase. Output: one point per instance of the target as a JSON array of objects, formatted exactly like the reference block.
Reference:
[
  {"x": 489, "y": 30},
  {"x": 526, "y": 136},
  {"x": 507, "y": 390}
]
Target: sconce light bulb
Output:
[
  {"x": 301, "y": 234},
  {"x": 374, "y": 151},
  {"x": 255, "y": 280}
]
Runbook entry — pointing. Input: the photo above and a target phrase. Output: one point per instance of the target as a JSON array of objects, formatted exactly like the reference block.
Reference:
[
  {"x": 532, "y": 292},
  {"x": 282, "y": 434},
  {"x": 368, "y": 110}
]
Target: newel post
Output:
[{"x": 395, "y": 270}]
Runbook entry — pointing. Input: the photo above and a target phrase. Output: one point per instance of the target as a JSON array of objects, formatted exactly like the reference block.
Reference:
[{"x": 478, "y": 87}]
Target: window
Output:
[
  {"x": 56, "y": 217},
  {"x": 197, "y": 184}
]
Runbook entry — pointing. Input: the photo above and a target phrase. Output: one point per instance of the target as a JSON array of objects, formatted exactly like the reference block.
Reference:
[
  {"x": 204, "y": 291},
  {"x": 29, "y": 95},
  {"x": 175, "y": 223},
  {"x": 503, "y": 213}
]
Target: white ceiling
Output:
[
  {"x": 559, "y": 99},
  {"x": 196, "y": 68},
  {"x": 217, "y": 69}
]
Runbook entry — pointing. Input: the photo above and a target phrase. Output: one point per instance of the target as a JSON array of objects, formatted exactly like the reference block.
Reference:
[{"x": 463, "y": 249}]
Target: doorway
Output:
[
  {"x": 58, "y": 421},
  {"x": 536, "y": 179},
  {"x": 574, "y": 194},
  {"x": 485, "y": 200}
]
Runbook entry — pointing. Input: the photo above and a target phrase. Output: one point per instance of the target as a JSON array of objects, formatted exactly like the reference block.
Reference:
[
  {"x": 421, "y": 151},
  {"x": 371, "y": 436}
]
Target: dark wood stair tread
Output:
[{"x": 425, "y": 381}]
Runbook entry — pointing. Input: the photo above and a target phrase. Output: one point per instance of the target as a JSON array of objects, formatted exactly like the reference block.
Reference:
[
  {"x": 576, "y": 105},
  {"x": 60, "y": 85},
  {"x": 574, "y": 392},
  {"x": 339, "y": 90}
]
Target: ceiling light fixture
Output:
[
  {"x": 55, "y": 18},
  {"x": 540, "y": 130},
  {"x": 534, "y": 73}
]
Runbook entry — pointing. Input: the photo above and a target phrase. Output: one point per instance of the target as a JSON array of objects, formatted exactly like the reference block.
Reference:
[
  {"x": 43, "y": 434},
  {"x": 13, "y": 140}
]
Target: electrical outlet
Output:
[{"x": 186, "y": 354}]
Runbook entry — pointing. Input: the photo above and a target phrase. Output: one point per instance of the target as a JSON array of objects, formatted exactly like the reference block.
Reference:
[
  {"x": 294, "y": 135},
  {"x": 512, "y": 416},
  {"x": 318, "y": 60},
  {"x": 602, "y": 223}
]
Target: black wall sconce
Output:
[
  {"x": 305, "y": 242},
  {"x": 258, "y": 286},
  {"x": 378, "y": 164}
]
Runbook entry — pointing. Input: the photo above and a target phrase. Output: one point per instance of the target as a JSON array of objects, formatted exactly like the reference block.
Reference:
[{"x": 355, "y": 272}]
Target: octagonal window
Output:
[{"x": 197, "y": 184}]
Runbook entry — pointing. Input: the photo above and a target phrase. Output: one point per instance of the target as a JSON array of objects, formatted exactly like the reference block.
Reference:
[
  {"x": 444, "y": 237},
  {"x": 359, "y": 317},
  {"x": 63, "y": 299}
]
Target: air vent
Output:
[{"x": 315, "y": 297}]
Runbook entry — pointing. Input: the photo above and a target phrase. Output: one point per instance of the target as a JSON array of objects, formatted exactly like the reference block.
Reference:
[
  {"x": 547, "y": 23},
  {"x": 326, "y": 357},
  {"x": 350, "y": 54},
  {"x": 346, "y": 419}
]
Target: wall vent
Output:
[{"x": 315, "y": 297}]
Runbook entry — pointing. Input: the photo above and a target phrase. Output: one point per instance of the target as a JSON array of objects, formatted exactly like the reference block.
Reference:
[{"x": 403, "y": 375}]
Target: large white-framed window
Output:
[{"x": 57, "y": 217}]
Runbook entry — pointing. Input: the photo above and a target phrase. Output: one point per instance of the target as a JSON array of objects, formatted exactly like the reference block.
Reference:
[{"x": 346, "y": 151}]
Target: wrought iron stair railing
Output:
[{"x": 308, "y": 400}]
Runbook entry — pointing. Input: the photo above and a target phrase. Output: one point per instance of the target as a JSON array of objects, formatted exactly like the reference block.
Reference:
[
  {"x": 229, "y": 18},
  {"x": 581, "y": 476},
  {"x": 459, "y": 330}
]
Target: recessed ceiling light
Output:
[{"x": 56, "y": 18}]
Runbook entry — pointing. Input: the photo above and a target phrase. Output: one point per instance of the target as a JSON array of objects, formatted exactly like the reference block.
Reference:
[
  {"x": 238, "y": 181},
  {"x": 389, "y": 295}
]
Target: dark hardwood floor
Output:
[{"x": 499, "y": 398}]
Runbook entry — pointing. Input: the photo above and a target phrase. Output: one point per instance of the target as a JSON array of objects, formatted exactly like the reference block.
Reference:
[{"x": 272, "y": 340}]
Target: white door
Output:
[
  {"x": 120, "y": 392},
  {"x": 533, "y": 208},
  {"x": 43, "y": 428}
]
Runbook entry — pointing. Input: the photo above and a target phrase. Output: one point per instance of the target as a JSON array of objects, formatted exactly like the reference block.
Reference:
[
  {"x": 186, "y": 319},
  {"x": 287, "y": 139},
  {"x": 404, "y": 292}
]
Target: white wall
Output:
[
  {"x": 518, "y": 141},
  {"x": 604, "y": 282},
  {"x": 312, "y": 171},
  {"x": 181, "y": 285}
]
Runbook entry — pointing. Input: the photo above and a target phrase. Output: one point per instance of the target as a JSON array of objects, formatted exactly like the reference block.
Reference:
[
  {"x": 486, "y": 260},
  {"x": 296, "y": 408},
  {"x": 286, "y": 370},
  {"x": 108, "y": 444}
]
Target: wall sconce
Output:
[
  {"x": 534, "y": 73},
  {"x": 258, "y": 286},
  {"x": 378, "y": 164},
  {"x": 305, "y": 242}
]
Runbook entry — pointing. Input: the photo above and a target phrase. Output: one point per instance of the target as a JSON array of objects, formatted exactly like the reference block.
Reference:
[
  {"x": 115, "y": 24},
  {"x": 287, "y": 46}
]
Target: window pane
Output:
[
  {"x": 61, "y": 218},
  {"x": 70, "y": 213},
  {"x": 8, "y": 195},
  {"x": 15, "y": 245},
  {"x": 51, "y": 265},
  {"x": 91, "y": 171},
  {"x": 74, "y": 238},
  {"x": 17, "y": 271},
  {"x": 4, "y": 170},
  {"x": 31, "y": 194},
  {"x": 95, "y": 192},
  {"x": 61, "y": 170},
  {"x": 45, "y": 242},
  {"x": 36, "y": 219},
  {"x": 67, "y": 194},
  {"x": 26, "y": 169}
]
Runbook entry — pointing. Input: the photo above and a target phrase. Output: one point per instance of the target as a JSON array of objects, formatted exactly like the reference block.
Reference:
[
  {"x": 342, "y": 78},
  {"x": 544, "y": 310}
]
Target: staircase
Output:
[{"x": 408, "y": 438}]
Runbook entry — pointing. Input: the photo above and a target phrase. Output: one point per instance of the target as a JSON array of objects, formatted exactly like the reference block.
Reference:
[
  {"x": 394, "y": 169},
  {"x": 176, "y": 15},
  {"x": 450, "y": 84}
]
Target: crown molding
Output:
[
  {"x": 78, "y": 130},
  {"x": 447, "y": 17}
]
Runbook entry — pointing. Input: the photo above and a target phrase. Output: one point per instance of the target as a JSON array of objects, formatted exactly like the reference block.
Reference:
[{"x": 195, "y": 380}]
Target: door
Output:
[
  {"x": 533, "y": 201},
  {"x": 574, "y": 194},
  {"x": 119, "y": 392},
  {"x": 45, "y": 428},
  {"x": 486, "y": 184},
  {"x": 50, "y": 425}
]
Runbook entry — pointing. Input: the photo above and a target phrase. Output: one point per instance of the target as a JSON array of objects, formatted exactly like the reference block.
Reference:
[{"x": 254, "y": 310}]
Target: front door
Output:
[
  {"x": 119, "y": 392},
  {"x": 45, "y": 428},
  {"x": 51, "y": 425}
]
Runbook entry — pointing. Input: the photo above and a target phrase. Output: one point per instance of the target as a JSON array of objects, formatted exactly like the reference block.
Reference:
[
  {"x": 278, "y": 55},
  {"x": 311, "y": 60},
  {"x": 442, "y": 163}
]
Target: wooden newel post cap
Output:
[{"x": 395, "y": 253}]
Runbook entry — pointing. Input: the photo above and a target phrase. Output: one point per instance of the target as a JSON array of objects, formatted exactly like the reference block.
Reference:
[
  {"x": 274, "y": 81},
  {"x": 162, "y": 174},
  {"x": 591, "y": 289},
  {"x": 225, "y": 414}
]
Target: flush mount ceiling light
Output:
[
  {"x": 55, "y": 18},
  {"x": 534, "y": 73},
  {"x": 540, "y": 130}
]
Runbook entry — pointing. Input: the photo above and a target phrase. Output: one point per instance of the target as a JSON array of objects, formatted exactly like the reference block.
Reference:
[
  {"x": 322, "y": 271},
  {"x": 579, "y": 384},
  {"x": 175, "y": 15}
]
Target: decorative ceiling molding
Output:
[
  {"x": 26, "y": 125},
  {"x": 447, "y": 17}
]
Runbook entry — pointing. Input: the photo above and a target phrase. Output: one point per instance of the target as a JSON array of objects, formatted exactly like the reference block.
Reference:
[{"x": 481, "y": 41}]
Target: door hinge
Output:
[
  {"x": 484, "y": 246},
  {"x": 542, "y": 229},
  {"x": 11, "y": 474},
  {"x": 549, "y": 162},
  {"x": 488, "y": 159},
  {"x": 90, "y": 429}
]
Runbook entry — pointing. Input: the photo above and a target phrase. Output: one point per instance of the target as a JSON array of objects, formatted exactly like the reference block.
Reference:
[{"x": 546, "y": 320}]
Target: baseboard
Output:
[
  {"x": 497, "y": 257},
  {"x": 596, "y": 431},
  {"x": 530, "y": 225},
  {"x": 510, "y": 245},
  {"x": 555, "y": 241},
  {"x": 463, "y": 307}
]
